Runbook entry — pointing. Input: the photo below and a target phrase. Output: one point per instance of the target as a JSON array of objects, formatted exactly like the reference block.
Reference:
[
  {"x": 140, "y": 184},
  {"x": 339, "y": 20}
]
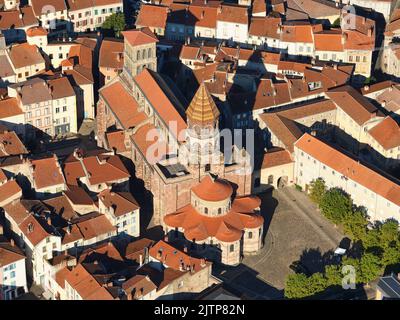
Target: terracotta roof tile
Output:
[
  {"x": 9, "y": 191},
  {"x": 212, "y": 189},
  {"x": 123, "y": 105},
  {"x": 24, "y": 55},
  {"x": 111, "y": 54},
  {"x": 233, "y": 14},
  {"x": 161, "y": 98},
  {"x": 9, "y": 254},
  {"x": 386, "y": 133},
  {"x": 10, "y": 144},
  {"x": 276, "y": 157},
  {"x": 121, "y": 202},
  {"x": 226, "y": 228},
  {"x": 152, "y": 16},
  {"x": 353, "y": 103},
  {"x": 47, "y": 173},
  {"x": 139, "y": 36}
]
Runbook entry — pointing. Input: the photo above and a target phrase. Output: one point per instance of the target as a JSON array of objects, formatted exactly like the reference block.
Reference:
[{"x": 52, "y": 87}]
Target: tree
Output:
[
  {"x": 297, "y": 286},
  {"x": 391, "y": 256},
  {"x": 317, "y": 283},
  {"x": 370, "y": 267},
  {"x": 115, "y": 22},
  {"x": 369, "y": 80},
  {"x": 333, "y": 275},
  {"x": 355, "y": 225},
  {"x": 335, "y": 205},
  {"x": 389, "y": 233},
  {"x": 336, "y": 23},
  {"x": 317, "y": 190}
]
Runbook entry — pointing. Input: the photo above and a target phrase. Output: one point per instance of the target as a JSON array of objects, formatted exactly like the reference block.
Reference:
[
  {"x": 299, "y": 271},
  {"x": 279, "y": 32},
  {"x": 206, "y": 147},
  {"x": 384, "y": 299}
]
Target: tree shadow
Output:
[{"x": 312, "y": 260}]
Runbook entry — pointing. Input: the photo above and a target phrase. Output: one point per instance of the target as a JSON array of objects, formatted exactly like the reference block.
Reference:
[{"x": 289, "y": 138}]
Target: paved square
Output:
[{"x": 294, "y": 230}]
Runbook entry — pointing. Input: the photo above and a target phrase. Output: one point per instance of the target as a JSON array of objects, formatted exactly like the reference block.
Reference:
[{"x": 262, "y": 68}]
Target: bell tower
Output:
[{"x": 202, "y": 134}]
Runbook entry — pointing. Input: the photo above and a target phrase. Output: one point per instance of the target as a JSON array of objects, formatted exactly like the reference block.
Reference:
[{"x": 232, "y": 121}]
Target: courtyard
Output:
[{"x": 294, "y": 231}]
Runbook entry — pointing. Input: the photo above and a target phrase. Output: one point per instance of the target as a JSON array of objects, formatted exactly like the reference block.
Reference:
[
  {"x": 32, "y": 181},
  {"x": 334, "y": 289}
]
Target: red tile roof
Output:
[
  {"x": 154, "y": 89},
  {"x": 174, "y": 258},
  {"x": 105, "y": 169},
  {"x": 386, "y": 133},
  {"x": 41, "y": 6},
  {"x": 152, "y": 16},
  {"x": 139, "y": 36},
  {"x": 265, "y": 27},
  {"x": 213, "y": 189},
  {"x": 9, "y": 191},
  {"x": 276, "y": 157},
  {"x": 121, "y": 202},
  {"x": 36, "y": 31},
  {"x": 47, "y": 173},
  {"x": 10, "y": 144},
  {"x": 9, "y": 254},
  {"x": 122, "y": 105},
  {"x": 353, "y": 103},
  {"x": 111, "y": 54},
  {"x": 233, "y": 14},
  {"x": 328, "y": 41},
  {"x": 86, "y": 285},
  {"x": 148, "y": 136},
  {"x": 24, "y": 55},
  {"x": 226, "y": 228},
  {"x": 116, "y": 141}
]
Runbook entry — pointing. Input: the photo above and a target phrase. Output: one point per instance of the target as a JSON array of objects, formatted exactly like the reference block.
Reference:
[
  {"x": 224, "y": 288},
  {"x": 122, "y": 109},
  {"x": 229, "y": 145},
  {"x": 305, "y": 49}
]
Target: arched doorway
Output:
[{"x": 282, "y": 182}]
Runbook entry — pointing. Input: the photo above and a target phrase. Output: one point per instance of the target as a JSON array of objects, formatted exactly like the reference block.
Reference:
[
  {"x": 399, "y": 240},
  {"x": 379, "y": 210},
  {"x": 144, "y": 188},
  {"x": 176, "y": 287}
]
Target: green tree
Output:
[
  {"x": 369, "y": 80},
  {"x": 355, "y": 225},
  {"x": 370, "y": 267},
  {"x": 317, "y": 190},
  {"x": 335, "y": 205},
  {"x": 391, "y": 256},
  {"x": 317, "y": 283},
  {"x": 389, "y": 233},
  {"x": 336, "y": 23},
  {"x": 297, "y": 286},
  {"x": 115, "y": 22},
  {"x": 333, "y": 275}
]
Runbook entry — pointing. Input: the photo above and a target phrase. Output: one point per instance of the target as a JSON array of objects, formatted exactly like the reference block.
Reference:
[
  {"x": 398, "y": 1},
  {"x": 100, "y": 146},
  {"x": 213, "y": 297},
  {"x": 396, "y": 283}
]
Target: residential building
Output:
[
  {"x": 15, "y": 22},
  {"x": 368, "y": 188},
  {"x": 49, "y": 106},
  {"x": 26, "y": 60},
  {"x": 232, "y": 23},
  {"x": 95, "y": 170},
  {"x": 111, "y": 59},
  {"x": 89, "y": 15},
  {"x": 47, "y": 177},
  {"x": 12, "y": 270},
  {"x": 53, "y": 15},
  {"x": 153, "y": 17},
  {"x": 122, "y": 210}
]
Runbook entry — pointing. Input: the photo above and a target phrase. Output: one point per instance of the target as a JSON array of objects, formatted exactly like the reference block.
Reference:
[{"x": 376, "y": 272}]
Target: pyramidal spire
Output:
[{"x": 202, "y": 109}]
